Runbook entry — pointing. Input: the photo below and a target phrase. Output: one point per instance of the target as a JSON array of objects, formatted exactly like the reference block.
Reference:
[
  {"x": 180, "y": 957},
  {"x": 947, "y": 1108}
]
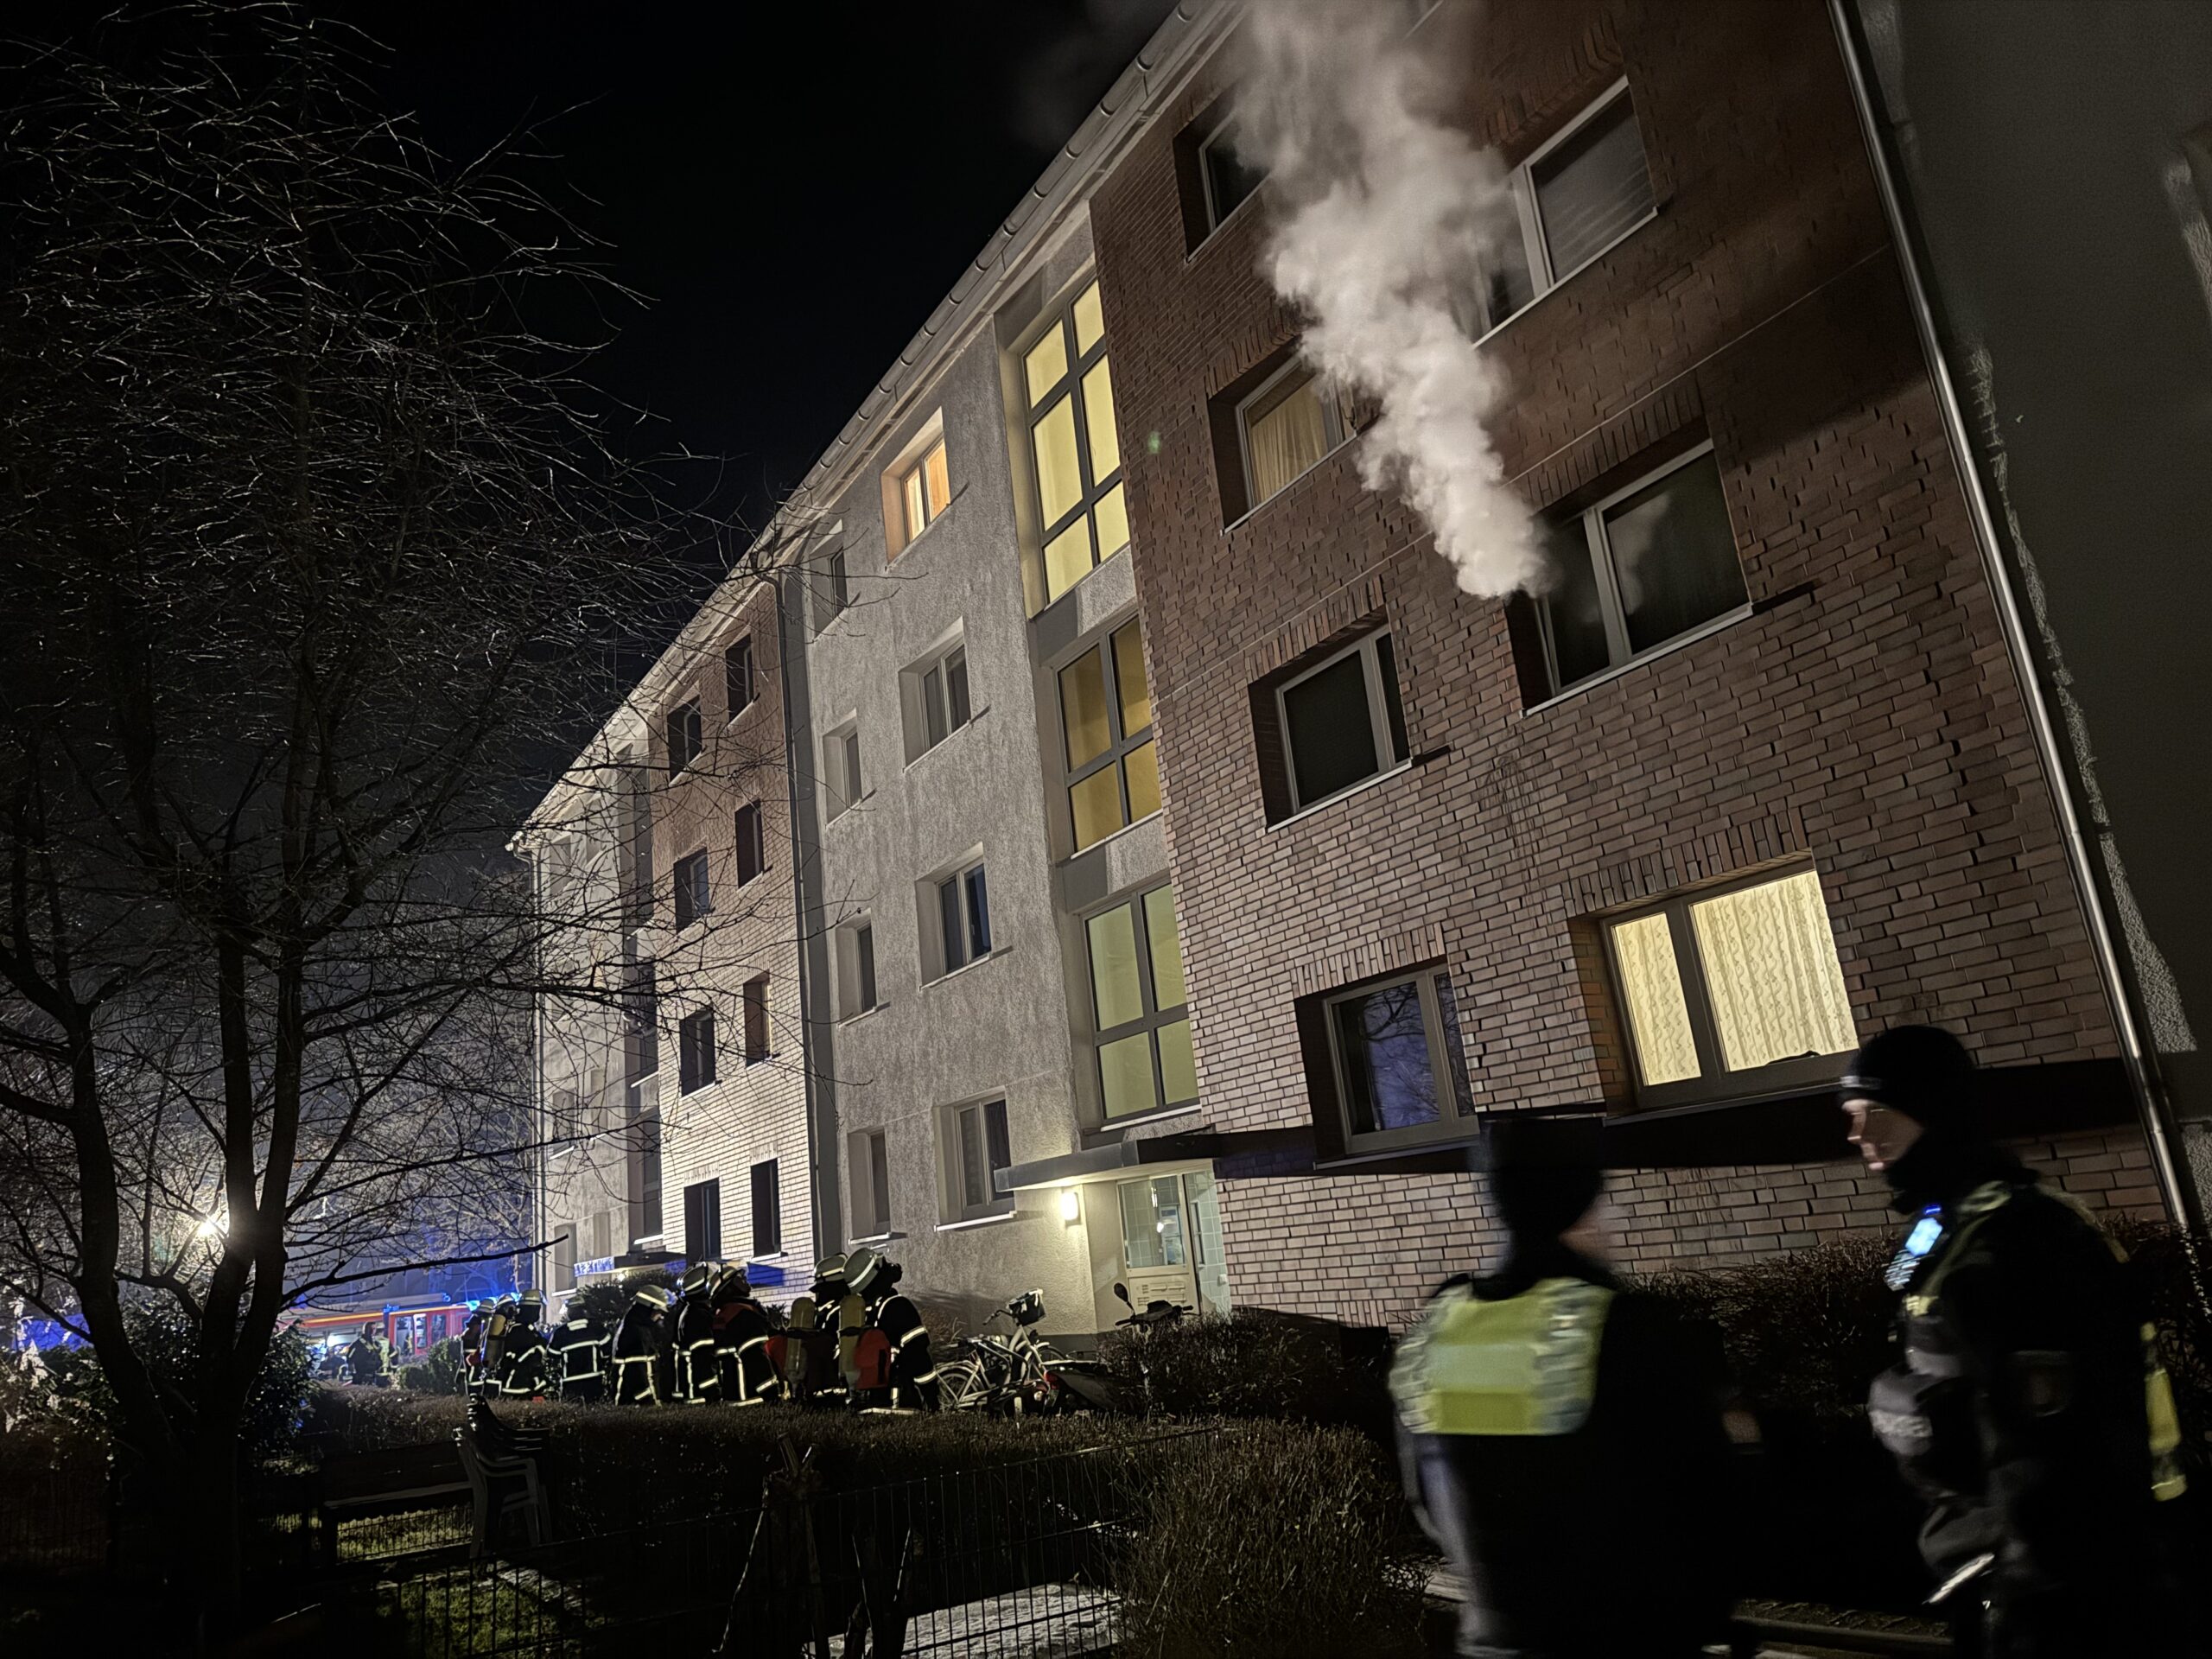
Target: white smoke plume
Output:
[{"x": 1385, "y": 219}]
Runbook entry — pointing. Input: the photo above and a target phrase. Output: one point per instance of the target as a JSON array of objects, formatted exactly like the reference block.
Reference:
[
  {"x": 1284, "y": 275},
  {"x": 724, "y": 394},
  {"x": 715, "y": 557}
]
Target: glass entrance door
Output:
[{"x": 1170, "y": 1240}]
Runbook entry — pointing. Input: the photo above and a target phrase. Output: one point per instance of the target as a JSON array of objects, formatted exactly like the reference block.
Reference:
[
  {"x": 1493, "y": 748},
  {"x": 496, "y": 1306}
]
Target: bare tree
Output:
[{"x": 309, "y": 566}]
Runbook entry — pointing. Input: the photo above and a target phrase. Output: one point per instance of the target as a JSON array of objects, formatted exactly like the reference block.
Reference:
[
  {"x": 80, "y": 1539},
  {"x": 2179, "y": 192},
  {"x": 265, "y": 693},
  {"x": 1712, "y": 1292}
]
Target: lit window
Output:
[
  {"x": 924, "y": 491},
  {"x": 1646, "y": 565},
  {"x": 1106, "y": 720},
  {"x": 752, "y": 854},
  {"x": 692, "y": 899},
  {"x": 1287, "y": 427},
  {"x": 978, "y": 1155},
  {"x": 1342, "y": 722},
  {"x": 1580, "y": 193},
  {"x": 695, "y": 1042},
  {"x": 1394, "y": 1053},
  {"x": 684, "y": 741},
  {"x": 961, "y": 921},
  {"x": 1145, "y": 1060},
  {"x": 1075, "y": 450},
  {"x": 1733, "y": 992},
  {"x": 1228, "y": 179}
]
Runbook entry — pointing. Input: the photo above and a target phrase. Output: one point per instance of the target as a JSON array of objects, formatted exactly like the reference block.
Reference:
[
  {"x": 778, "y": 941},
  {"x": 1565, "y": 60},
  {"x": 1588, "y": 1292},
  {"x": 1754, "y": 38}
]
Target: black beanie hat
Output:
[
  {"x": 1544, "y": 1173},
  {"x": 1921, "y": 1070}
]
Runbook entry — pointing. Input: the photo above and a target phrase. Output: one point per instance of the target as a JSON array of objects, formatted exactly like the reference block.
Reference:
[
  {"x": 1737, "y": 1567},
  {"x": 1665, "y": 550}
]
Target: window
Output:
[
  {"x": 1083, "y": 516},
  {"x": 1647, "y": 564},
  {"x": 1577, "y": 194},
  {"x": 603, "y": 1236},
  {"x": 841, "y": 771},
  {"x": 1227, "y": 178},
  {"x": 979, "y": 1157},
  {"x": 752, "y": 853},
  {"x": 684, "y": 737},
  {"x": 641, "y": 1031},
  {"x": 737, "y": 667},
  {"x": 835, "y": 590},
  {"x": 694, "y": 1044},
  {"x": 564, "y": 1257},
  {"x": 1106, "y": 720},
  {"x": 962, "y": 918},
  {"x": 1286, "y": 426},
  {"x": 692, "y": 898},
  {"x": 702, "y": 1221},
  {"x": 1341, "y": 723},
  {"x": 767, "y": 1209},
  {"x": 1393, "y": 1051},
  {"x": 924, "y": 491},
  {"x": 871, "y": 1183},
  {"x": 933, "y": 694},
  {"x": 855, "y": 968},
  {"x": 1152, "y": 1223},
  {"x": 1136, "y": 989},
  {"x": 756, "y": 1020},
  {"x": 1732, "y": 991}
]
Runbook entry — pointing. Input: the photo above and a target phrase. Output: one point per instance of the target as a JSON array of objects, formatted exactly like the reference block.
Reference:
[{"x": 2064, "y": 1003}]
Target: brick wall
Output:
[{"x": 1865, "y": 716}]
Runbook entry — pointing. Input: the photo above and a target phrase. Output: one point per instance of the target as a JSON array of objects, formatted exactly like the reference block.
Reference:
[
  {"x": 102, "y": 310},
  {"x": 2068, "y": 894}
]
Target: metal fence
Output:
[
  {"x": 54, "y": 1522},
  {"x": 1018, "y": 1559}
]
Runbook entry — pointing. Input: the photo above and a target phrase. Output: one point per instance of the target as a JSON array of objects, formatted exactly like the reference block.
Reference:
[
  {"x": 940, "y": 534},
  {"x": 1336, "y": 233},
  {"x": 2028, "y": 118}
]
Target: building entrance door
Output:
[{"x": 1170, "y": 1240}]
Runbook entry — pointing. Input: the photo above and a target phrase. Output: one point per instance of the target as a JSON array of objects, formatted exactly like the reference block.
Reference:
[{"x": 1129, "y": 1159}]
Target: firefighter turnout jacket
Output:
[
  {"x": 641, "y": 1355},
  {"x": 1557, "y": 1430},
  {"x": 580, "y": 1346},
  {"x": 909, "y": 1380},
  {"x": 742, "y": 1337},
  {"x": 523, "y": 1362},
  {"x": 698, "y": 1374}
]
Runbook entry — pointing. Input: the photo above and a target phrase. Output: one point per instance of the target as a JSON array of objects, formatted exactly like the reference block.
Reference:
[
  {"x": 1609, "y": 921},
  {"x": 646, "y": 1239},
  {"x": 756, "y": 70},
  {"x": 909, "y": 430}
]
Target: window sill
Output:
[
  {"x": 849, "y": 809},
  {"x": 1076, "y": 585},
  {"x": 844, "y": 1020},
  {"x": 1453, "y": 1140},
  {"x": 1157, "y": 1114},
  {"x": 971, "y": 967},
  {"x": 733, "y": 720},
  {"x": 974, "y": 714},
  {"x": 967, "y": 1223},
  {"x": 1361, "y": 787},
  {"x": 1252, "y": 512},
  {"x": 1237, "y": 213},
  {"x": 1488, "y": 335},
  {"x": 1104, "y": 840},
  {"x": 913, "y": 542},
  {"x": 1680, "y": 641}
]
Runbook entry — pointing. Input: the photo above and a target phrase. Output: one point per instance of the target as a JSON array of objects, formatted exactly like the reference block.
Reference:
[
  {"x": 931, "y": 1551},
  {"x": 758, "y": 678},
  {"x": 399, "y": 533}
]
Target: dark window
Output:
[
  {"x": 644, "y": 1033},
  {"x": 756, "y": 1019},
  {"x": 702, "y": 1221},
  {"x": 856, "y": 969},
  {"x": 964, "y": 917},
  {"x": 696, "y": 1051},
  {"x": 752, "y": 855},
  {"x": 767, "y": 1209},
  {"x": 871, "y": 1176},
  {"x": 649, "y": 1174},
  {"x": 738, "y": 663},
  {"x": 691, "y": 894},
  {"x": 944, "y": 697},
  {"x": 836, "y": 589},
  {"x": 1228, "y": 179},
  {"x": 1387, "y": 1057},
  {"x": 984, "y": 1155},
  {"x": 1341, "y": 721},
  {"x": 683, "y": 738}
]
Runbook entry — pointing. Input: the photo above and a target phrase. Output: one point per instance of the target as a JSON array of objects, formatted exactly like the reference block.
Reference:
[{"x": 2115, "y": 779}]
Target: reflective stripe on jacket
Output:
[{"x": 1526, "y": 1365}]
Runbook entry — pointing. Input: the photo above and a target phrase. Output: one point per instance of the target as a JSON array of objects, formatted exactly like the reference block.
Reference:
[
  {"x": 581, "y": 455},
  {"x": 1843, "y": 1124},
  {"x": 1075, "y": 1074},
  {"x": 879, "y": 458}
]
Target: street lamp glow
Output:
[{"x": 218, "y": 1222}]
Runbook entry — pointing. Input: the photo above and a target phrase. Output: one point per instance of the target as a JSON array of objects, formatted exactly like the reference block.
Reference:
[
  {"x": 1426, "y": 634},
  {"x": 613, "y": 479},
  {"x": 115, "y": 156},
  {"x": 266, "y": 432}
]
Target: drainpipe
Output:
[
  {"x": 2152, "y": 1103},
  {"x": 821, "y": 1178}
]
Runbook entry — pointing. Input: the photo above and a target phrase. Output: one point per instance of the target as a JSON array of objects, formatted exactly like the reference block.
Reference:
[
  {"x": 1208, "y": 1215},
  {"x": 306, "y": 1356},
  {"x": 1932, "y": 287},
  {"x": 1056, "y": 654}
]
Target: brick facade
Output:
[{"x": 1865, "y": 716}]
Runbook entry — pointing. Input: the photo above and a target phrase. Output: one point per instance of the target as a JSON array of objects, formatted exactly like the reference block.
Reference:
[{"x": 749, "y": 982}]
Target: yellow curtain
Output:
[
  {"x": 1285, "y": 440},
  {"x": 1770, "y": 968}
]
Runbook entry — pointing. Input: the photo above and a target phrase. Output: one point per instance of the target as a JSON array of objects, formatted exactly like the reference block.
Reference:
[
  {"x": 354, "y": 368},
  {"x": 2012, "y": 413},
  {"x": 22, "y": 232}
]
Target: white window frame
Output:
[
  {"x": 939, "y": 963},
  {"x": 1618, "y": 654},
  {"x": 743, "y": 642},
  {"x": 760, "y": 842},
  {"x": 898, "y": 534},
  {"x": 698, "y": 725},
  {"x": 1336, "y": 427},
  {"x": 850, "y": 1002},
  {"x": 1535, "y": 249},
  {"x": 914, "y": 693},
  {"x": 842, "y": 779},
  {"x": 702, "y": 906},
  {"x": 835, "y": 592},
  {"x": 957, "y": 1208},
  {"x": 1387, "y": 758},
  {"x": 869, "y": 1220},
  {"x": 713, "y": 1051},
  {"x": 746, "y": 1004},
  {"x": 1215, "y": 218},
  {"x": 1714, "y": 1082},
  {"x": 1452, "y": 1121}
]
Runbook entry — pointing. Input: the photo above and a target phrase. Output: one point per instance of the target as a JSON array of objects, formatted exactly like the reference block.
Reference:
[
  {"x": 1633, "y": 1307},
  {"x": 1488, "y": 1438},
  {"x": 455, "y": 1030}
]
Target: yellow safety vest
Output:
[{"x": 1526, "y": 1365}]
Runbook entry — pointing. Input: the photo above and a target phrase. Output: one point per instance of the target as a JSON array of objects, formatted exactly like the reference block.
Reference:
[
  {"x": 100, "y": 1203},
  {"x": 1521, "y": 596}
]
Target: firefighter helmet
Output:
[
  {"x": 860, "y": 1268},
  {"x": 694, "y": 1278},
  {"x": 653, "y": 1295}
]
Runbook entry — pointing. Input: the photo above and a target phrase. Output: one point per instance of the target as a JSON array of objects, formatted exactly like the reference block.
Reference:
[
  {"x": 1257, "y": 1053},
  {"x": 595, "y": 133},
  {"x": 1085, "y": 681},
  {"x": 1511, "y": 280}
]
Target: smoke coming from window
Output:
[{"x": 1385, "y": 217}]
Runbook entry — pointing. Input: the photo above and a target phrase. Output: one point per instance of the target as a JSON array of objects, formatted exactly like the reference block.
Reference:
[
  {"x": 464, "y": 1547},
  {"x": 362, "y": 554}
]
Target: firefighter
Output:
[
  {"x": 2030, "y": 1410},
  {"x": 369, "y": 1359},
  {"x": 495, "y": 1343},
  {"x": 580, "y": 1344},
  {"x": 698, "y": 1378},
  {"x": 741, "y": 1340},
  {"x": 523, "y": 1352},
  {"x": 902, "y": 1376},
  {"x": 833, "y": 1346},
  {"x": 641, "y": 1349},
  {"x": 1559, "y": 1433},
  {"x": 471, "y": 1346}
]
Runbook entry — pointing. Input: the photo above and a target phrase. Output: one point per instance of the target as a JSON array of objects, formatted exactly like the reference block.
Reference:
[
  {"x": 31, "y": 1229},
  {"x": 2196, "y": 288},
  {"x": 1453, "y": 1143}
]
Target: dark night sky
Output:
[{"x": 793, "y": 187}]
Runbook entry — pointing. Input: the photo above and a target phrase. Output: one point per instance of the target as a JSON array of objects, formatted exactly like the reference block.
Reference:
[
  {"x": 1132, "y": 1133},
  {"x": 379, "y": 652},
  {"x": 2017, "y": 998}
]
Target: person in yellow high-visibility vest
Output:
[{"x": 1561, "y": 1436}]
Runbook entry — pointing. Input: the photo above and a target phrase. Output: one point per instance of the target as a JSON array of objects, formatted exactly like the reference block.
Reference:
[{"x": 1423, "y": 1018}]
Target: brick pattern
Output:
[{"x": 1865, "y": 716}]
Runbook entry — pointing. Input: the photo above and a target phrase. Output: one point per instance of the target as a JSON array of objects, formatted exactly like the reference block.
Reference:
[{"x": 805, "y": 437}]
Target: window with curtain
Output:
[
  {"x": 1074, "y": 449},
  {"x": 925, "y": 490},
  {"x": 1732, "y": 991},
  {"x": 1145, "y": 1058},
  {"x": 1106, "y": 725},
  {"x": 1288, "y": 425}
]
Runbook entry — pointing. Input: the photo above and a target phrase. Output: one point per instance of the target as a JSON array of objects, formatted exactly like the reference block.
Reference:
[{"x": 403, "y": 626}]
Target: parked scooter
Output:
[{"x": 1086, "y": 1382}]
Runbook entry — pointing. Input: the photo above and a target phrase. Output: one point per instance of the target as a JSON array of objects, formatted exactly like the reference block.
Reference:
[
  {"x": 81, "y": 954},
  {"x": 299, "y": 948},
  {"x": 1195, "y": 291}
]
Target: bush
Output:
[
  {"x": 1270, "y": 1540},
  {"x": 439, "y": 1372},
  {"x": 605, "y": 1300},
  {"x": 164, "y": 1339},
  {"x": 1258, "y": 1362}
]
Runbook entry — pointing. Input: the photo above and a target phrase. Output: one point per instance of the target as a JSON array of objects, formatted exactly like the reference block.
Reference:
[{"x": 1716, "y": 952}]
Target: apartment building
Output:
[
  {"x": 1755, "y": 779},
  {"x": 675, "y": 1100}
]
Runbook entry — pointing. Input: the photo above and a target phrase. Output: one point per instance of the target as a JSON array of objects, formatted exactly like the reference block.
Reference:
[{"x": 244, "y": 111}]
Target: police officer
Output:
[
  {"x": 741, "y": 1337},
  {"x": 641, "y": 1349},
  {"x": 580, "y": 1346},
  {"x": 698, "y": 1377},
  {"x": 1560, "y": 1432},
  {"x": 369, "y": 1359},
  {"x": 2030, "y": 1409},
  {"x": 523, "y": 1352},
  {"x": 912, "y": 1380}
]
